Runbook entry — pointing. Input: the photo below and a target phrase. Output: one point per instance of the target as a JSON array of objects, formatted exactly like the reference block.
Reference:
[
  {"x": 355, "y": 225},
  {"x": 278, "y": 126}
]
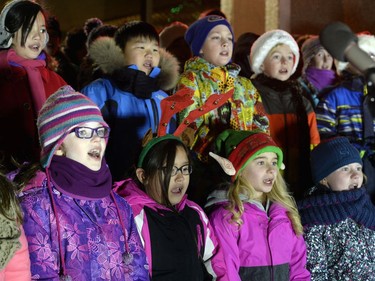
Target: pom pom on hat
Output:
[
  {"x": 330, "y": 155},
  {"x": 240, "y": 147},
  {"x": 172, "y": 32},
  {"x": 63, "y": 111},
  {"x": 309, "y": 49},
  {"x": 198, "y": 31},
  {"x": 263, "y": 45}
]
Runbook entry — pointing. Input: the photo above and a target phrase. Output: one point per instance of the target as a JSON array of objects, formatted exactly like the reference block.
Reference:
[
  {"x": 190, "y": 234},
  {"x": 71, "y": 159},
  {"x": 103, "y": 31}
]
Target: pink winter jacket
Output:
[
  {"x": 18, "y": 268},
  {"x": 265, "y": 247}
]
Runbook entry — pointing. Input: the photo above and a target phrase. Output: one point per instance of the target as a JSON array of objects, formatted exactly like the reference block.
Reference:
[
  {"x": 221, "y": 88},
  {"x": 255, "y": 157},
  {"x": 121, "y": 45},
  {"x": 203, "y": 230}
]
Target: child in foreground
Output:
[
  {"x": 338, "y": 216},
  {"x": 255, "y": 219}
]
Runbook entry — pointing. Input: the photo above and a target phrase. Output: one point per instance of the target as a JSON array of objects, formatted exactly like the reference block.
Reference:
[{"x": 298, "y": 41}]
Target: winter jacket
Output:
[
  {"x": 17, "y": 113},
  {"x": 243, "y": 111},
  {"x": 264, "y": 247},
  {"x": 129, "y": 101},
  {"x": 92, "y": 235},
  {"x": 293, "y": 133},
  {"x": 339, "y": 230},
  {"x": 177, "y": 243},
  {"x": 17, "y": 267}
]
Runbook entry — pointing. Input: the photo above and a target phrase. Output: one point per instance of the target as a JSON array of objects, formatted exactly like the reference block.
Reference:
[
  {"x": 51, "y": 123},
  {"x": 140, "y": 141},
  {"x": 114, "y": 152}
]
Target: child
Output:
[
  {"x": 76, "y": 227},
  {"x": 274, "y": 58},
  {"x": 338, "y": 217},
  {"x": 137, "y": 73},
  {"x": 25, "y": 81},
  {"x": 255, "y": 219},
  {"x": 177, "y": 237},
  {"x": 317, "y": 73},
  {"x": 210, "y": 72},
  {"x": 14, "y": 254},
  {"x": 343, "y": 112}
]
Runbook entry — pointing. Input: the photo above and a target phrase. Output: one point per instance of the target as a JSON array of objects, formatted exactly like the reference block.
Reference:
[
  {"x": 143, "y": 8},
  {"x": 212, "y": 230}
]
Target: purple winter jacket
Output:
[
  {"x": 207, "y": 243},
  {"x": 265, "y": 247},
  {"x": 92, "y": 237}
]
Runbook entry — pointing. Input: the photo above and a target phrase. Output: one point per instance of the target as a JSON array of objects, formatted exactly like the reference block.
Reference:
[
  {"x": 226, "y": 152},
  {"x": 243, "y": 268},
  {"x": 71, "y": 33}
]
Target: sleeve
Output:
[
  {"x": 38, "y": 223},
  {"x": 316, "y": 254},
  {"x": 298, "y": 271},
  {"x": 18, "y": 268},
  {"x": 138, "y": 260},
  {"x": 227, "y": 235},
  {"x": 100, "y": 92},
  {"x": 261, "y": 120},
  {"x": 326, "y": 115},
  {"x": 314, "y": 133}
]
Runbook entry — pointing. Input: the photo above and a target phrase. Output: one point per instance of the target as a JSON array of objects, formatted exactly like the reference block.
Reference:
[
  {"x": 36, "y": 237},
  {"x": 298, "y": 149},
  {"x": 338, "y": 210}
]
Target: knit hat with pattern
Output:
[
  {"x": 198, "y": 31},
  {"x": 240, "y": 147},
  {"x": 263, "y": 45},
  {"x": 63, "y": 111},
  {"x": 309, "y": 49},
  {"x": 330, "y": 155}
]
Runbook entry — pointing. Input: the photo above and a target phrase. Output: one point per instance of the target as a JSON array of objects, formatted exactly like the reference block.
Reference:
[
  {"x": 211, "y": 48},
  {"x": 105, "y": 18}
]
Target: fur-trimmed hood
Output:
[{"x": 109, "y": 57}]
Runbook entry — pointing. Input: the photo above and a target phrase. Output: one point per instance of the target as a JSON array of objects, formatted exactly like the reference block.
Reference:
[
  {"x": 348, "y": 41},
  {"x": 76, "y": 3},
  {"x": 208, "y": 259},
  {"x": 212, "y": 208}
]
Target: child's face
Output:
[
  {"x": 218, "y": 47},
  {"x": 279, "y": 63},
  {"x": 322, "y": 60},
  {"x": 88, "y": 152},
  {"x": 179, "y": 182},
  {"x": 35, "y": 41},
  {"x": 261, "y": 173},
  {"x": 142, "y": 52},
  {"x": 345, "y": 178}
]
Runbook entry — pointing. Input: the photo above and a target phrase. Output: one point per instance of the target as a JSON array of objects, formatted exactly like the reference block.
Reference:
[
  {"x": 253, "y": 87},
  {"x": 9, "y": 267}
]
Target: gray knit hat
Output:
[
  {"x": 263, "y": 45},
  {"x": 309, "y": 49}
]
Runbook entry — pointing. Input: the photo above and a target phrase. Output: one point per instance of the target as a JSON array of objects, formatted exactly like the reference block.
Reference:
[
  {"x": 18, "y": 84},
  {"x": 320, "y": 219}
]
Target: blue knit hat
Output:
[
  {"x": 63, "y": 111},
  {"x": 198, "y": 31},
  {"x": 330, "y": 155}
]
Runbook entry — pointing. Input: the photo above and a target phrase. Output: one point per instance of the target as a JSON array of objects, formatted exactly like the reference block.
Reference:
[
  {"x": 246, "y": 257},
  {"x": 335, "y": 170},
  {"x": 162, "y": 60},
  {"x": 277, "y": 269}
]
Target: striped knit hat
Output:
[{"x": 63, "y": 111}]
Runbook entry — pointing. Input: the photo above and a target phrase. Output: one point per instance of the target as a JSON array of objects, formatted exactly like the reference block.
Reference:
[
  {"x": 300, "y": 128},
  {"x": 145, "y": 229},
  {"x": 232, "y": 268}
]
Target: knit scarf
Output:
[
  {"x": 9, "y": 240},
  {"x": 33, "y": 75},
  {"x": 78, "y": 181},
  {"x": 320, "y": 78},
  {"x": 333, "y": 207}
]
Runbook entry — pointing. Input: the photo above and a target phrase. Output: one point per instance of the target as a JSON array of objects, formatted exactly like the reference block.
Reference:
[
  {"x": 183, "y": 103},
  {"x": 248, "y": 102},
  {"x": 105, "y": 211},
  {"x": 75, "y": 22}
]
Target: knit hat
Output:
[
  {"x": 240, "y": 147},
  {"x": 151, "y": 144},
  {"x": 198, "y": 31},
  {"x": 263, "y": 45},
  {"x": 172, "y": 32},
  {"x": 309, "y": 49},
  {"x": 330, "y": 155},
  {"x": 63, "y": 111}
]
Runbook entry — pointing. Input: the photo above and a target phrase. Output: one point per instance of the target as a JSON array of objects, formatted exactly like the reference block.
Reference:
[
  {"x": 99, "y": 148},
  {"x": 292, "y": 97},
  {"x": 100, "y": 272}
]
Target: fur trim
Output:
[
  {"x": 109, "y": 57},
  {"x": 106, "y": 54},
  {"x": 170, "y": 70},
  {"x": 263, "y": 45}
]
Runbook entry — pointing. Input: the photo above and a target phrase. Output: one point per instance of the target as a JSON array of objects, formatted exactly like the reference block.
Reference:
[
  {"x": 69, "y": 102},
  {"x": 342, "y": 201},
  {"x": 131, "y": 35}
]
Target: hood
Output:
[
  {"x": 109, "y": 57},
  {"x": 198, "y": 64}
]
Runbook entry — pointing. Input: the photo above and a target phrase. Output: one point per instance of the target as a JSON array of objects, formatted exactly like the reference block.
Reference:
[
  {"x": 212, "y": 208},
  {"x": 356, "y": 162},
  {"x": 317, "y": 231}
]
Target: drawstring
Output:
[
  {"x": 62, "y": 259},
  {"x": 122, "y": 223}
]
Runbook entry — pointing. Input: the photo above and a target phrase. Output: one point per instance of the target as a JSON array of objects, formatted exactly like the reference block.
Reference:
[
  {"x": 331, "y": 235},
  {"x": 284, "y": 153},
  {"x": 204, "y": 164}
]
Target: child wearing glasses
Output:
[
  {"x": 77, "y": 228},
  {"x": 178, "y": 239},
  {"x": 254, "y": 217}
]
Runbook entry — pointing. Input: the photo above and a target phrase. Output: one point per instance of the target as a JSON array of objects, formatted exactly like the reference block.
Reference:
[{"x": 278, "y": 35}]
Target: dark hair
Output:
[
  {"x": 22, "y": 14},
  {"x": 53, "y": 26},
  {"x": 135, "y": 29},
  {"x": 161, "y": 155},
  {"x": 104, "y": 30}
]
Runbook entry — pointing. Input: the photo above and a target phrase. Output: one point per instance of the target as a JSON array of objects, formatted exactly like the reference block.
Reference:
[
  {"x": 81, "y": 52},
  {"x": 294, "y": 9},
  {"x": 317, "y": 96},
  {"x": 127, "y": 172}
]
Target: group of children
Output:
[{"x": 243, "y": 144}]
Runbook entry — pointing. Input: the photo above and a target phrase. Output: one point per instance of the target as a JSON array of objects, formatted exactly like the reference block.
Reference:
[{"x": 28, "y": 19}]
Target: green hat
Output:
[
  {"x": 240, "y": 147},
  {"x": 151, "y": 144}
]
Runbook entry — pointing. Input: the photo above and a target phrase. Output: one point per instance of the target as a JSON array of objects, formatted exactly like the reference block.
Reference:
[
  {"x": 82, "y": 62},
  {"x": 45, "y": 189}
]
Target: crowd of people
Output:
[{"x": 131, "y": 153}]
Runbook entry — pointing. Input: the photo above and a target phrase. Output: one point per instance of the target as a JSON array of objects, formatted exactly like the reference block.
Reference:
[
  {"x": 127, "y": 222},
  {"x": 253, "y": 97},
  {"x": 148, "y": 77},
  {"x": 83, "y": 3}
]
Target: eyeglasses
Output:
[
  {"x": 185, "y": 170},
  {"x": 87, "y": 133}
]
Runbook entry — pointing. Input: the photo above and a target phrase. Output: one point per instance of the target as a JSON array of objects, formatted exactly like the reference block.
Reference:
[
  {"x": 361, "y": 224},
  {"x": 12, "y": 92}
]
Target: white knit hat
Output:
[
  {"x": 366, "y": 42},
  {"x": 263, "y": 45}
]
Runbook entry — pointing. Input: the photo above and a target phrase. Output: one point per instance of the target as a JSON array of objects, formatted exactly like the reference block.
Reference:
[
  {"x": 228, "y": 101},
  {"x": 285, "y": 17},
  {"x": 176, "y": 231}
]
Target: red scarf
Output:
[{"x": 33, "y": 75}]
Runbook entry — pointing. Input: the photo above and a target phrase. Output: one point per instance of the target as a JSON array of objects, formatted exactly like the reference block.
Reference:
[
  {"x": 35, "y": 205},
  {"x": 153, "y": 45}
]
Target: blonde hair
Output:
[{"x": 278, "y": 194}]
